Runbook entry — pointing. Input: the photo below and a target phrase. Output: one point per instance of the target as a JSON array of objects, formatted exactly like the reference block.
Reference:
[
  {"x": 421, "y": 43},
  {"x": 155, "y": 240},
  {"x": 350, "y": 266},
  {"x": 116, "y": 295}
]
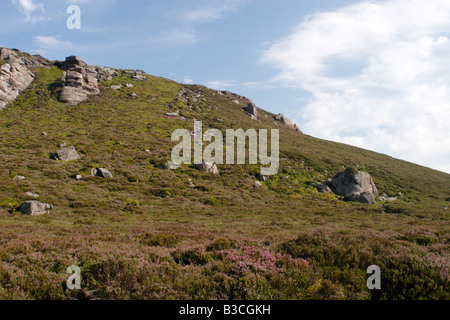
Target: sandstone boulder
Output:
[{"x": 35, "y": 208}]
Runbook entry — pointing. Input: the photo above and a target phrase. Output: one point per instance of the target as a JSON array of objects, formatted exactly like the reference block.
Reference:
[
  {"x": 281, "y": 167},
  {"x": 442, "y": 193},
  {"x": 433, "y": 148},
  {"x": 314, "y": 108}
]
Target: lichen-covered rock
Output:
[
  {"x": 287, "y": 122},
  {"x": 207, "y": 167},
  {"x": 355, "y": 186}
]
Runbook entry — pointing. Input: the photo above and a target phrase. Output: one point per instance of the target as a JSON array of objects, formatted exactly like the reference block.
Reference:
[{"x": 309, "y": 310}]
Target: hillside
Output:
[{"x": 147, "y": 233}]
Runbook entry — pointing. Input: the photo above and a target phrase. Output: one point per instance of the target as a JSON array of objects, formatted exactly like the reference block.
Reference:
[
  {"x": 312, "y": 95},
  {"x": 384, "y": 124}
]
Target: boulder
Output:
[
  {"x": 101, "y": 172},
  {"x": 66, "y": 154},
  {"x": 207, "y": 167},
  {"x": 116, "y": 87},
  {"x": 251, "y": 110},
  {"x": 19, "y": 178},
  {"x": 35, "y": 208},
  {"x": 355, "y": 185},
  {"x": 170, "y": 166}
]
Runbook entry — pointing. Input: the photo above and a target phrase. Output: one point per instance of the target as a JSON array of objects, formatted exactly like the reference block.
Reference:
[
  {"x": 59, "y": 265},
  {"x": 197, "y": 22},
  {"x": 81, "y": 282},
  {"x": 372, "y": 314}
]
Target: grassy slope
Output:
[{"x": 146, "y": 234}]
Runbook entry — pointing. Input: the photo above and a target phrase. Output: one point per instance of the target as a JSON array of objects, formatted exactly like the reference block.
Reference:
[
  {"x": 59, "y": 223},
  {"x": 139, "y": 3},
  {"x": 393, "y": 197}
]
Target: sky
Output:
[{"x": 374, "y": 74}]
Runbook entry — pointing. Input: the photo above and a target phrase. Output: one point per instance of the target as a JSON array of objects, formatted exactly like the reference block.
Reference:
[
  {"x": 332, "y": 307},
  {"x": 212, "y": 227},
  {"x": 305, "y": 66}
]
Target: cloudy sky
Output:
[{"x": 374, "y": 74}]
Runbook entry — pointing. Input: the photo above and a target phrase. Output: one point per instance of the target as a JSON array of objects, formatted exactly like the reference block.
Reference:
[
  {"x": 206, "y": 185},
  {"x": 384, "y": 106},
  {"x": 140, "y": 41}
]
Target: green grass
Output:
[{"x": 145, "y": 234}]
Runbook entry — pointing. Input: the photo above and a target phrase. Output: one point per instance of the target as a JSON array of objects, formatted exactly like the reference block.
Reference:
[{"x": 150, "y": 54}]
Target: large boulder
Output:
[
  {"x": 35, "y": 208},
  {"x": 251, "y": 110},
  {"x": 66, "y": 154},
  {"x": 355, "y": 186}
]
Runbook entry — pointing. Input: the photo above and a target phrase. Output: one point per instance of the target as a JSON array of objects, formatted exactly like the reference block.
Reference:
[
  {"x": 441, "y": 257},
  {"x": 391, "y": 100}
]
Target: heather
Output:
[{"x": 148, "y": 234}]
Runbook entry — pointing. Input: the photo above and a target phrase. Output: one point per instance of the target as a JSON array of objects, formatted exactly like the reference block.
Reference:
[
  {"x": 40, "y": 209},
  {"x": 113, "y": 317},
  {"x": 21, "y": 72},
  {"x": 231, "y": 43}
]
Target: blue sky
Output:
[{"x": 375, "y": 74}]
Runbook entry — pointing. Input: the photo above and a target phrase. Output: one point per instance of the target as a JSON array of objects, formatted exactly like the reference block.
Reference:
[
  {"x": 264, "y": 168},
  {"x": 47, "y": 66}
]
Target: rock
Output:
[
  {"x": 79, "y": 177},
  {"x": 236, "y": 101},
  {"x": 19, "y": 178},
  {"x": 66, "y": 154},
  {"x": 251, "y": 110},
  {"x": 129, "y": 85},
  {"x": 258, "y": 184},
  {"x": 116, "y": 87},
  {"x": 382, "y": 198},
  {"x": 322, "y": 188},
  {"x": 31, "y": 194},
  {"x": 353, "y": 184},
  {"x": 171, "y": 114},
  {"x": 207, "y": 167},
  {"x": 170, "y": 166},
  {"x": 134, "y": 94},
  {"x": 15, "y": 76},
  {"x": 191, "y": 185},
  {"x": 35, "y": 208},
  {"x": 364, "y": 197},
  {"x": 101, "y": 172},
  {"x": 260, "y": 177},
  {"x": 287, "y": 122},
  {"x": 62, "y": 145},
  {"x": 79, "y": 80}
]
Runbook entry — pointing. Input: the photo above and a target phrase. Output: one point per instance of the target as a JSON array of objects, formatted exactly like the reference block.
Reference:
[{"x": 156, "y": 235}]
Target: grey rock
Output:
[
  {"x": 191, "y": 185},
  {"x": 258, "y": 184},
  {"x": 260, "y": 177},
  {"x": 101, "y": 172},
  {"x": 35, "y": 208},
  {"x": 351, "y": 186},
  {"x": 287, "y": 122},
  {"x": 79, "y": 177},
  {"x": 322, "y": 188},
  {"x": 207, "y": 167},
  {"x": 66, "y": 154},
  {"x": 252, "y": 110},
  {"x": 31, "y": 194},
  {"x": 116, "y": 87},
  {"x": 19, "y": 178},
  {"x": 134, "y": 94},
  {"x": 170, "y": 166},
  {"x": 129, "y": 85},
  {"x": 364, "y": 197}
]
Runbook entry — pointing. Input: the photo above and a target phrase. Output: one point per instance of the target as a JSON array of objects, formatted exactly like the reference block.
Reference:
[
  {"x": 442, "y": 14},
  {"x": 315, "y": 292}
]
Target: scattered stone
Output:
[
  {"x": 19, "y": 178},
  {"x": 44, "y": 133},
  {"x": 364, "y": 197},
  {"x": 116, "y": 87},
  {"x": 31, "y": 194},
  {"x": 322, "y": 188},
  {"x": 207, "y": 167},
  {"x": 171, "y": 114},
  {"x": 260, "y": 177},
  {"x": 134, "y": 94},
  {"x": 236, "y": 101},
  {"x": 62, "y": 145},
  {"x": 129, "y": 85},
  {"x": 170, "y": 166},
  {"x": 191, "y": 185},
  {"x": 66, "y": 154},
  {"x": 258, "y": 184},
  {"x": 35, "y": 208},
  {"x": 101, "y": 172},
  {"x": 79, "y": 177}
]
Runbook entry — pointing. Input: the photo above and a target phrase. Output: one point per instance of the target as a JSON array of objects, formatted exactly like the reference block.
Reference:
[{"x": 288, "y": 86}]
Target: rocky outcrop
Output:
[
  {"x": 17, "y": 73},
  {"x": 66, "y": 154},
  {"x": 287, "y": 122},
  {"x": 355, "y": 186},
  {"x": 251, "y": 110},
  {"x": 207, "y": 167},
  {"x": 101, "y": 172},
  {"x": 35, "y": 208},
  {"x": 79, "y": 80}
]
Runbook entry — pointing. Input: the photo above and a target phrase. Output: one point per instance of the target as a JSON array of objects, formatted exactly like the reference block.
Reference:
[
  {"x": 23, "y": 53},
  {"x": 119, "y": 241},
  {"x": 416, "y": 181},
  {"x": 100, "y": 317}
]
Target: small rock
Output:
[
  {"x": 31, "y": 194},
  {"x": 79, "y": 177},
  {"x": 19, "y": 178},
  {"x": 129, "y": 85},
  {"x": 101, "y": 172},
  {"x": 191, "y": 185},
  {"x": 62, "y": 145},
  {"x": 260, "y": 177},
  {"x": 66, "y": 154},
  {"x": 116, "y": 87},
  {"x": 134, "y": 94},
  {"x": 258, "y": 184},
  {"x": 35, "y": 208},
  {"x": 207, "y": 167},
  {"x": 170, "y": 166},
  {"x": 44, "y": 133},
  {"x": 322, "y": 188}
]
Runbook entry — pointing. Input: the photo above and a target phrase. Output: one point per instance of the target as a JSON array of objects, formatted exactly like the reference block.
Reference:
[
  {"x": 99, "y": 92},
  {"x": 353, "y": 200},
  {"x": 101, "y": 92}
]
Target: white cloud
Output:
[
  {"x": 212, "y": 10},
  {"x": 220, "y": 84},
  {"x": 188, "y": 80},
  {"x": 379, "y": 76},
  {"x": 48, "y": 44},
  {"x": 28, "y": 7}
]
